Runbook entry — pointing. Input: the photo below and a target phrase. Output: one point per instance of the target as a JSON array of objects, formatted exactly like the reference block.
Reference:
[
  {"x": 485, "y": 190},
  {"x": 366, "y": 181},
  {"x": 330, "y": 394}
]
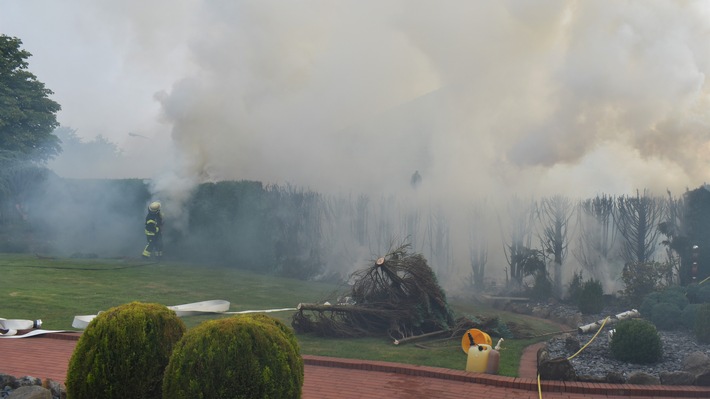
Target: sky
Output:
[{"x": 483, "y": 98}]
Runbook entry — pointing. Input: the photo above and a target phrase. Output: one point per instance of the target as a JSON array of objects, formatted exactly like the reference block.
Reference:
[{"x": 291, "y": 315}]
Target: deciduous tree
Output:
[{"x": 27, "y": 114}]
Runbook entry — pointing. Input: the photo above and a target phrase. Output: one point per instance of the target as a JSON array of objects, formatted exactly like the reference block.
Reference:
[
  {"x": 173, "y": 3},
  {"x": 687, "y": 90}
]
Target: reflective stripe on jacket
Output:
[{"x": 151, "y": 227}]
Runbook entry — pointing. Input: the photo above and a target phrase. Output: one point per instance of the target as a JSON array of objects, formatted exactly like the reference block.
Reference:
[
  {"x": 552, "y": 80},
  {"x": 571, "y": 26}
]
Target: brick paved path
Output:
[{"x": 48, "y": 356}]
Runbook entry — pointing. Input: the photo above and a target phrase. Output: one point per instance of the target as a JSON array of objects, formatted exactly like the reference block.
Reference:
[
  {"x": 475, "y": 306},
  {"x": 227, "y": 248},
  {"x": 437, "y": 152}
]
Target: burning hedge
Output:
[{"x": 398, "y": 295}]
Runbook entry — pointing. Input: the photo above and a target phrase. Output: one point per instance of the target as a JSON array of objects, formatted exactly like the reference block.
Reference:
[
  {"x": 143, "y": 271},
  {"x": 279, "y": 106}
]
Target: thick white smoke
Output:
[
  {"x": 484, "y": 98},
  {"x": 495, "y": 96},
  {"x": 578, "y": 97}
]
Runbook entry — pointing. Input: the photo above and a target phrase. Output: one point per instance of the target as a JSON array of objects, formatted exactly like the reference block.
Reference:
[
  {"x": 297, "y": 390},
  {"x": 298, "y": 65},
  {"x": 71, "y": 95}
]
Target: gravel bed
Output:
[{"x": 596, "y": 359}]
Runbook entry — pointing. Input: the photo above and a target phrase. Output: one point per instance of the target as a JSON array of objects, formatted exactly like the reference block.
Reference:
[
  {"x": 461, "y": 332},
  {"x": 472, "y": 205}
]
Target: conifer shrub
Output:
[
  {"x": 591, "y": 297},
  {"x": 636, "y": 341},
  {"x": 699, "y": 293},
  {"x": 702, "y": 323},
  {"x": 664, "y": 308},
  {"x": 246, "y": 356},
  {"x": 123, "y": 353},
  {"x": 575, "y": 287},
  {"x": 643, "y": 278},
  {"x": 666, "y": 316},
  {"x": 687, "y": 317}
]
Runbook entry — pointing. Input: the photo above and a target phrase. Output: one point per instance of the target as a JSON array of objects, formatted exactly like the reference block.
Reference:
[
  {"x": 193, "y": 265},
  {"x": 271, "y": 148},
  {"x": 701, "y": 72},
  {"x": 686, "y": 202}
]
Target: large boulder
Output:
[
  {"x": 30, "y": 392},
  {"x": 696, "y": 363},
  {"x": 557, "y": 369},
  {"x": 703, "y": 379},
  {"x": 677, "y": 378},
  {"x": 641, "y": 378}
]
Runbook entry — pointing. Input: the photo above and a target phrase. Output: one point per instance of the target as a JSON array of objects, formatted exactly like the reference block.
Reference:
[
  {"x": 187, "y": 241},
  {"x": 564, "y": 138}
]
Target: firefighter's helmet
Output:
[{"x": 154, "y": 206}]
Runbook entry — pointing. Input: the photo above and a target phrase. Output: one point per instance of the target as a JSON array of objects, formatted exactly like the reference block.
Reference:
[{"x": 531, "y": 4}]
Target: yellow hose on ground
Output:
[
  {"x": 539, "y": 386},
  {"x": 590, "y": 341}
]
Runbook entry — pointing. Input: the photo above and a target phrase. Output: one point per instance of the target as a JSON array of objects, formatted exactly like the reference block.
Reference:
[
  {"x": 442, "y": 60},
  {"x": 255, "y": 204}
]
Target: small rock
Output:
[
  {"x": 28, "y": 381},
  {"x": 641, "y": 378},
  {"x": 572, "y": 343},
  {"x": 615, "y": 377},
  {"x": 591, "y": 378},
  {"x": 7, "y": 380},
  {"x": 58, "y": 390},
  {"x": 703, "y": 380},
  {"x": 677, "y": 378}
]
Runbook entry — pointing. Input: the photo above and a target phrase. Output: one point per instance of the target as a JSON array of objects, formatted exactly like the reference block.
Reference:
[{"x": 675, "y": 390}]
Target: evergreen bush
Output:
[
  {"x": 575, "y": 287},
  {"x": 649, "y": 301},
  {"x": 247, "y": 356},
  {"x": 687, "y": 318},
  {"x": 591, "y": 297},
  {"x": 123, "y": 353},
  {"x": 543, "y": 289},
  {"x": 702, "y": 323},
  {"x": 699, "y": 293},
  {"x": 666, "y": 316},
  {"x": 664, "y": 308},
  {"x": 643, "y": 278},
  {"x": 636, "y": 341}
]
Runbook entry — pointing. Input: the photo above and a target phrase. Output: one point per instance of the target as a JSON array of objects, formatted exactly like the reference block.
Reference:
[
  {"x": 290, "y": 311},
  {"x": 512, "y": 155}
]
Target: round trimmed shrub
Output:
[
  {"x": 123, "y": 353},
  {"x": 666, "y": 316},
  {"x": 687, "y": 318},
  {"x": 649, "y": 301},
  {"x": 636, "y": 341},
  {"x": 699, "y": 293},
  {"x": 247, "y": 356},
  {"x": 674, "y": 295}
]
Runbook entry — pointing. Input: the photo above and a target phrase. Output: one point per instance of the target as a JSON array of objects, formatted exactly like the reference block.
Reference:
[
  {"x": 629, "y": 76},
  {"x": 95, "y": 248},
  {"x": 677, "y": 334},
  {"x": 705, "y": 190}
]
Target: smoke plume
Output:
[{"x": 485, "y": 99}]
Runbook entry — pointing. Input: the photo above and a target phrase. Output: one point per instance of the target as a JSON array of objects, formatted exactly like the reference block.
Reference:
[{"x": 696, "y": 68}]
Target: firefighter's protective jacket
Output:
[{"x": 153, "y": 223}]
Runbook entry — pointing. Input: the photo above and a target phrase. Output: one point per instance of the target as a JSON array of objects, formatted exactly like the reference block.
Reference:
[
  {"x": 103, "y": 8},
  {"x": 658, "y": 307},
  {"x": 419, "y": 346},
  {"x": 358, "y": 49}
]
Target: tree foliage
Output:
[
  {"x": 555, "y": 215},
  {"x": 673, "y": 228},
  {"x": 694, "y": 229},
  {"x": 478, "y": 245},
  {"x": 518, "y": 243},
  {"x": 27, "y": 114},
  {"x": 597, "y": 234},
  {"x": 94, "y": 158},
  {"x": 637, "y": 218}
]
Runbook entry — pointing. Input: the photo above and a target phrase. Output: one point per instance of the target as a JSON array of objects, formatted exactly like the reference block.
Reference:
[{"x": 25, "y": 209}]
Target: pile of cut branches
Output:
[{"x": 398, "y": 295}]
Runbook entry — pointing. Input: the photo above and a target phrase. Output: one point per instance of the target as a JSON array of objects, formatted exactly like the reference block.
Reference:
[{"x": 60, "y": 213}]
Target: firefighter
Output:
[{"x": 153, "y": 231}]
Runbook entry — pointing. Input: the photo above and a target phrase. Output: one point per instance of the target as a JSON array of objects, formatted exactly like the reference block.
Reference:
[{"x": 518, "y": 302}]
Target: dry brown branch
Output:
[{"x": 398, "y": 295}]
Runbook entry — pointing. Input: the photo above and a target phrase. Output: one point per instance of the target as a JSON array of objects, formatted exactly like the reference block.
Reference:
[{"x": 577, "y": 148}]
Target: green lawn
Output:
[{"x": 56, "y": 290}]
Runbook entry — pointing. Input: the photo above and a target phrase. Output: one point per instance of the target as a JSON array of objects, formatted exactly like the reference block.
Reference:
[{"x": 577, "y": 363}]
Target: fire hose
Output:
[
  {"x": 539, "y": 386},
  {"x": 9, "y": 328}
]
